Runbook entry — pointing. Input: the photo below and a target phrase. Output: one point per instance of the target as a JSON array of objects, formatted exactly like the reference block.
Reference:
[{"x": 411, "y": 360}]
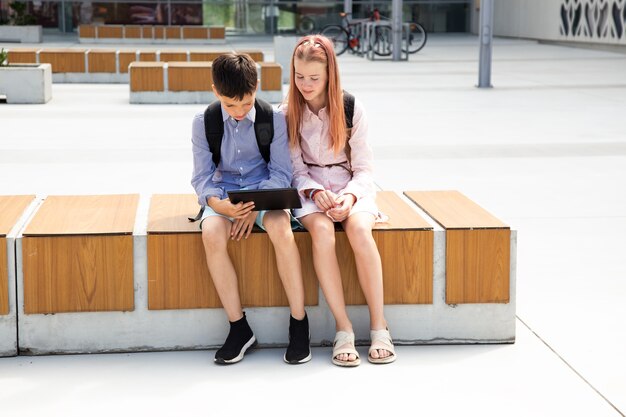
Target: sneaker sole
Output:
[
  {"x": 249, "y": 345},
  {"x": 298, "y": 362}
]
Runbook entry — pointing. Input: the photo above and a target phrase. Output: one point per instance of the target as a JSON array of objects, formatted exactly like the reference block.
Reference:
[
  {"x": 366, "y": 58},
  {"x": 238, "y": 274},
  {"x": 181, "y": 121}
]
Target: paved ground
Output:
[{"x": 544, "y": 150}]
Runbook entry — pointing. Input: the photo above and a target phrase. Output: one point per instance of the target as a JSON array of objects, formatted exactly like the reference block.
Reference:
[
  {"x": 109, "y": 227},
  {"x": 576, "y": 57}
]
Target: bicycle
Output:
[{"x": 350, "y": 35}]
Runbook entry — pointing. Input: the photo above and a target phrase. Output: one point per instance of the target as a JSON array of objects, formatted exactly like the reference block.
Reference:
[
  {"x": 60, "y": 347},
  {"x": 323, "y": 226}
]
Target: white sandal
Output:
[
  {"x": 344, "y": 343},
  {"x": 381, "y": 340}
]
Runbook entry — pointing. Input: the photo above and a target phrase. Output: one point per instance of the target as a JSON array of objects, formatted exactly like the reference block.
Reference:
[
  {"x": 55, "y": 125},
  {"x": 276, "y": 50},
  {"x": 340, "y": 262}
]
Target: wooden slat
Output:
[
  {"x": 271, "y": 79},
  {"x": 189, "y": 76},
  {"x": 64, "y": 60},
  {"x": 255, "y": 54},
  {"x": 159, "y": 32},
  {"x": 453, "y": 210},
  {"x": 173, "y": 56},
  {"x": 22, "y": 56},
  {"x": 169, "y": 212},
  {"x": 77, "y": 274},
  {"x": 147, "y": 31},
  {"x": 125, "y": 59},
  {"x": 147, "y": 56},
  {"x": 86, "y": 31},
  {"x": 4, "y": 278},
  {"x": 478, "y": 266},
  {"x": 217, "y": 32},
  {"x": 172, "y": 32},
  {"x": 11, "y": 208},
  {"x": 110, "y": 32},
  {"x": 146, "y": 76},
  {"x": 132, "y": 32},
  {"x": 478, "y": 247},
  {"x": 206, "y": 56},
  {"x": 101, "y": 61},
  {"x": 195, "y": 32},
  {"x": 401, "y": 215},
  {"x": 76, "y": 215}
]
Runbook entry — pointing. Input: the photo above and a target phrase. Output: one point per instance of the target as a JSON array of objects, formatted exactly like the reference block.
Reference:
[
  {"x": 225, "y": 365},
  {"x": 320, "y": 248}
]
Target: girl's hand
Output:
[
  {"x": 226, "y": 208},
  {"x": 343, "y": 206},
  {"x": 325, "y": 200},
  {"x": 242, "y": 227}
]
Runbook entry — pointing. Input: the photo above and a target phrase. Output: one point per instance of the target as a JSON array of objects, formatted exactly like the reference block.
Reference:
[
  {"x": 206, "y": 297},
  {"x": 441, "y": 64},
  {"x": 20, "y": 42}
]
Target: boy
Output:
[{"x": 241, "y": 165}]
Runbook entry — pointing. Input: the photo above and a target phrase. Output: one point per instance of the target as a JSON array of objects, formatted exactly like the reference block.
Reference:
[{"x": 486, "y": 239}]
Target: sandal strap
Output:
[
  {"x": 381, "y": 339},
  {"x": 344, "y": 343}
]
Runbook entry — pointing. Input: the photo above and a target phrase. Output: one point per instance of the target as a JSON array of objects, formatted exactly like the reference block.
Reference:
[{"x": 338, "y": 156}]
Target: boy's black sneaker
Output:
[
  {"x": 239, "y": 340},
  {"x": 298, "y": 350}
]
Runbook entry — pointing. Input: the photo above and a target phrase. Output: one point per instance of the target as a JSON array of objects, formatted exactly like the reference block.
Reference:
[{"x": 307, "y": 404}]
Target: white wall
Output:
[{"x": 541, "y": 19}]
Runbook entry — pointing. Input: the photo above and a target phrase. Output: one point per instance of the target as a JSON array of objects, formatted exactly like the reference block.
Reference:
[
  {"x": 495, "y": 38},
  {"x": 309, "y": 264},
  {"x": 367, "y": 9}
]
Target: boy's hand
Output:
[
  {"x": 226, "y": 208},
  {"x": 243, "y": 227},
  {"x": 343, "y": 206},
  {"x": 325, "y": 200}
]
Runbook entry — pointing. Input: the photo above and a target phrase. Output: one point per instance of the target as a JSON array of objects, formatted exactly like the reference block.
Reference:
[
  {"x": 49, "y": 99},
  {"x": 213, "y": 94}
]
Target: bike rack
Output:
[{"x": 370, "y": 30}]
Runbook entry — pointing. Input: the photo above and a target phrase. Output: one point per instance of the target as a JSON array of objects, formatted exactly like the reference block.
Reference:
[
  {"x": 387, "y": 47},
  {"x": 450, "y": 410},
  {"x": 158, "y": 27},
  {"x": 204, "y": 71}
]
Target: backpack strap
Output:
[
  {"x": 264, "y": 127},
  {"x": 348, "y": 108},
  {"x": 214, "y": 129}
]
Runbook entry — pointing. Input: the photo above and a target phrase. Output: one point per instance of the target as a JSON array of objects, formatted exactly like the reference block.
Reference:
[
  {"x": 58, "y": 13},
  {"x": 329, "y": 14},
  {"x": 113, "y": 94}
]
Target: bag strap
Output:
[
  {"x": 348, "y": 108},
  {"x": 264, "y": 127},
  {"x": 214, "y": 129}
]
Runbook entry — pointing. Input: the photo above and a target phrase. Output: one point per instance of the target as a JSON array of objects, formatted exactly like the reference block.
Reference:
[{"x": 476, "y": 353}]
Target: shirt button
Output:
[{"x": 238, "y": 150}]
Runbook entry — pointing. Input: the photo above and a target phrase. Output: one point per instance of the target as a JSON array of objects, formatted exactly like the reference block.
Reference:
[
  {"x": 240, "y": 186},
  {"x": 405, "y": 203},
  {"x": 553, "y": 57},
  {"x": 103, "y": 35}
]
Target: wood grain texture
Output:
[
  {"x": 76, "y": 215},
  {"x": 64, "y": 60},
  {"x": 189, "y": 76},
  {"x": 125, "y": 58},
  {"x": 77, "y": 274},
  {"x": 147, "y": 56},
  {"x": 159, "y": 32},
  {"x": 195, "y": 32},
  {"x": 11, "y": 208},
  {"x": 147, "y": 31},
  {"x": 255, "y": 54},
  {"x": 173, "y": 32},
  {"x": 206, "y": 56},
  {"x": 178, "y": 277},
  {"x": 217, "y": 32},
  {"x": 270, "y": 76},
  {"x": 4, "y": 278},
  {"x": 478, "y": 266},
  {"x": 23, "y": 56},
  {"x": 453, "y": 210},
  {"x": 168, "y": 213},
  {"x": 132, "y": 32},
  {"x": 110, "y": 32},
  {"x": 86, "y": 31},
  {"x": 401, "y": 215},
  {"x": 101, "y": 61},
  {"x": 146, "y": 76},
  {"x": 173, "y": 56}
]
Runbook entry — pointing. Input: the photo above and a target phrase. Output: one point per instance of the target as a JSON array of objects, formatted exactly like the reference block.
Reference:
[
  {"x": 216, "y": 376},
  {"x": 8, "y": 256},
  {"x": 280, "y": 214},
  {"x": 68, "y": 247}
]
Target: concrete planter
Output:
[
  {"x": 26, "y": 83},
  {"x": 23, "y": 34}
]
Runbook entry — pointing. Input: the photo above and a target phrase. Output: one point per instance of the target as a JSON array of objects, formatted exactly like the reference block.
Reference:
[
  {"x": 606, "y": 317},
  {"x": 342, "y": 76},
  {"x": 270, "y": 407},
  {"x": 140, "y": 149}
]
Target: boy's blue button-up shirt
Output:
[{"x": 241, "y": 164}]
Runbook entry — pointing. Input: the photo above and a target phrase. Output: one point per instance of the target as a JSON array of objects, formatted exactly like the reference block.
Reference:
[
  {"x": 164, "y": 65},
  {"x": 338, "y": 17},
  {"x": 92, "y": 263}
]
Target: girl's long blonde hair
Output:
[{"x": 317, "y": 48}]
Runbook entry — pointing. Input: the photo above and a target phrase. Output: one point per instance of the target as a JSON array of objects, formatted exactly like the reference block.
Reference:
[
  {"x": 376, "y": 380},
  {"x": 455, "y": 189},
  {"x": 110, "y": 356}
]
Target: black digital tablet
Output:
[{"x": 272, "y": 199}]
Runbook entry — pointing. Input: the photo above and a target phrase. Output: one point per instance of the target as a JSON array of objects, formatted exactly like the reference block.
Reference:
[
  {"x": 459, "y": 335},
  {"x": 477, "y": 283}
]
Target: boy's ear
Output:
[
  {"x": 258, "y": 85},
  {"x": 215, "y": 91}
]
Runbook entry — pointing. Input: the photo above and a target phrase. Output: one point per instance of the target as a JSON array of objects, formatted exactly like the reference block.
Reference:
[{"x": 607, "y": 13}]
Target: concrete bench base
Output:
[
  {"x": 90, "y": 78},
  {"x": 26, "y": 83},
  {"x": 23, "y": 34},
  {"x": 152, "y": 330}
]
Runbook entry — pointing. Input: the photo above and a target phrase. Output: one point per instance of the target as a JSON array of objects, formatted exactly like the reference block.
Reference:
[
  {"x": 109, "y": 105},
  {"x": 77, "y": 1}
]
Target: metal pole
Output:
[
  {"x": 396, "y": 30},
  {"x": 347, "y": 6},
  {"x": 63, "y": 16},
  {"x": 169, "y": 13},
  {"x": 486, "y": 37}
]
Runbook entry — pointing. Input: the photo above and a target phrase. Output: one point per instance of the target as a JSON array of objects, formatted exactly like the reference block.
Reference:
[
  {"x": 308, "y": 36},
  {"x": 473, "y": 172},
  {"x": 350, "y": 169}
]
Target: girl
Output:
[{"x": 333, "y": 173}]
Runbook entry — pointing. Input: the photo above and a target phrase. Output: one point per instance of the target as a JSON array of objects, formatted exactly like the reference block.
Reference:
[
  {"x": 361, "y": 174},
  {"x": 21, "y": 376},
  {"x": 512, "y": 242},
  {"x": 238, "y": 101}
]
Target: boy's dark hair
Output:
[{"x": 234, "y": 75}]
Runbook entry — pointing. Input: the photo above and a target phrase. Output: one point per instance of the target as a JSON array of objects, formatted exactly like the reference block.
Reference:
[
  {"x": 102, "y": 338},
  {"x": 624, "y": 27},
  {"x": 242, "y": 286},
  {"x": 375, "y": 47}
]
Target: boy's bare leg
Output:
[
  {"x": 215, "y": 236},
  {"x": 278, "y": 227}
]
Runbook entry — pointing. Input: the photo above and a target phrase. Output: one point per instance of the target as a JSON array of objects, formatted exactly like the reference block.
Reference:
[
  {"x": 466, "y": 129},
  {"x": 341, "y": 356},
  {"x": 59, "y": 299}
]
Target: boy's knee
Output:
[
  {"x": 213, "y": 239},
  {"x": 277, "y": 224}
]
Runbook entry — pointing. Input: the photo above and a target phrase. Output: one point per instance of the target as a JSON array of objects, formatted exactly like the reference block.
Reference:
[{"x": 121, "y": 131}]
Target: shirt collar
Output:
[{"x": 250, "y": 116}]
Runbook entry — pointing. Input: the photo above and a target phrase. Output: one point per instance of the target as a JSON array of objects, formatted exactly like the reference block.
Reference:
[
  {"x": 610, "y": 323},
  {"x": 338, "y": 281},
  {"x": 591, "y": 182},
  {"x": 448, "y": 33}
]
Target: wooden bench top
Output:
[
  {"x": 453, "y": 210},
  {"x": 85, "y": 215},
  {"x": 11, "y": 208},
  {"x": 169, "y": 213},
  {"x": 185, "y": 64},
  {"x": 147, "y": 64}
]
